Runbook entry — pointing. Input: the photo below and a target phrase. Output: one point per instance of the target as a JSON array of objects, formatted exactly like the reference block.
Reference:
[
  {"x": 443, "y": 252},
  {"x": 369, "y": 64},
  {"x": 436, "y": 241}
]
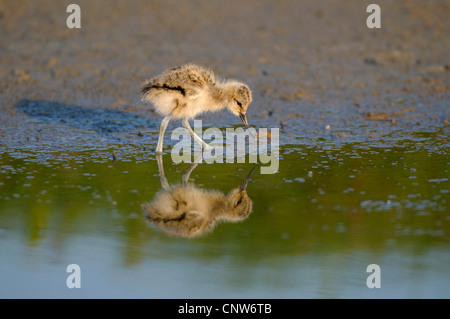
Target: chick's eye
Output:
[
  {"x": 239, "y": 103},
  {"x": 238, "y": 202}
]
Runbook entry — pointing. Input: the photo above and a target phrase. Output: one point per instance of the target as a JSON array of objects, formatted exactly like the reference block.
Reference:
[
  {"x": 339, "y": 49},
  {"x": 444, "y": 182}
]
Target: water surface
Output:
[{"x": 329, "y": 212}]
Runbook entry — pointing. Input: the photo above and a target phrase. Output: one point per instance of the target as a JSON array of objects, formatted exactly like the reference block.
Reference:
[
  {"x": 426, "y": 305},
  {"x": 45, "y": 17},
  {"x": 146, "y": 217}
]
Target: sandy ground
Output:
[{"x": 315, "y": 68}]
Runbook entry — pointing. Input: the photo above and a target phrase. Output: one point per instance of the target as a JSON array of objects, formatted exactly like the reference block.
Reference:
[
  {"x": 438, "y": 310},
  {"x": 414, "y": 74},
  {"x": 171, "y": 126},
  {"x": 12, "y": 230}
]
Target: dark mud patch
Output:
[
  {"x": 49, "y": 127},
  {"x": 101, "y": 119}
]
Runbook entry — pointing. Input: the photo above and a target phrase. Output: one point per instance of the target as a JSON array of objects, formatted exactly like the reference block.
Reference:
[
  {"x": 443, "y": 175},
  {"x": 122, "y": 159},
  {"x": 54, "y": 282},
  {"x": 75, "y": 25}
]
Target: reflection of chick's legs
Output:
[
  {"x": 164, "y": 182},
  {"x": 184, "y": 177},
  {"x": 187, "y": 173}
]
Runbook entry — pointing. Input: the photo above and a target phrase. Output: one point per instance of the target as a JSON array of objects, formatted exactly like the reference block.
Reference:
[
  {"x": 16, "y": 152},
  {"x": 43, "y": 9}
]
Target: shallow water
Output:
[
  {"x": 316, "y": 225},
  {"x": 351, "y": 191}
]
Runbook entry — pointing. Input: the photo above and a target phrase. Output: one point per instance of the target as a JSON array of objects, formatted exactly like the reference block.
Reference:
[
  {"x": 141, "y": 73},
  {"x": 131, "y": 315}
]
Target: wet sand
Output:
[{"x": 316, "y": 70}]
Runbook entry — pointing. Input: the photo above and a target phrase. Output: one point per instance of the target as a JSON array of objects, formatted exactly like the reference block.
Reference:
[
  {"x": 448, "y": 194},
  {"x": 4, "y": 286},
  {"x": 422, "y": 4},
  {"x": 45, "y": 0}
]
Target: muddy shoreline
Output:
[{"x": 317, "y": 72}]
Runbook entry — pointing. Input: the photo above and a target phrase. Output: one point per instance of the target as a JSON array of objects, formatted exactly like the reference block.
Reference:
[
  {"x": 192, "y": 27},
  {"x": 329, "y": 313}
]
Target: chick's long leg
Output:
[
  {"x": 197, "y": 138},
  {"x": 162, "y": 130}
]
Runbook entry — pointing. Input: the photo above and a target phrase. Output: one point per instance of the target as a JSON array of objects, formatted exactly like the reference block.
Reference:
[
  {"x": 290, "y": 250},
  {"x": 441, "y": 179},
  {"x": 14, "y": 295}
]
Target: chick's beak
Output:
[{"x": 244, "y": 119}]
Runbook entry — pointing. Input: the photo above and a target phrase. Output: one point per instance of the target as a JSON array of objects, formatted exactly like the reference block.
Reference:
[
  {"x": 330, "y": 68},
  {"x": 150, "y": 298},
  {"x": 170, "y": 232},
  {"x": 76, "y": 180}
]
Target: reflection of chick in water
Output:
[{"x": 187, "y": 211}]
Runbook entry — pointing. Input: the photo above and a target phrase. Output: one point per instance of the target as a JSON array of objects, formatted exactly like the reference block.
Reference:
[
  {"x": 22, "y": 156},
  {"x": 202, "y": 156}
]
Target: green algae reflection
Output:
[{"x": 321, "y": 200}]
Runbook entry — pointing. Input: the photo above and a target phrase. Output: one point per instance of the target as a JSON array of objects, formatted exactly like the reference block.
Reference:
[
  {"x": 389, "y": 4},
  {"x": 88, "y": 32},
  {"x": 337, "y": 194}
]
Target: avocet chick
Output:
[
  {"x": 184, "y": 210},
  {"x": 189, "y": 90}
]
